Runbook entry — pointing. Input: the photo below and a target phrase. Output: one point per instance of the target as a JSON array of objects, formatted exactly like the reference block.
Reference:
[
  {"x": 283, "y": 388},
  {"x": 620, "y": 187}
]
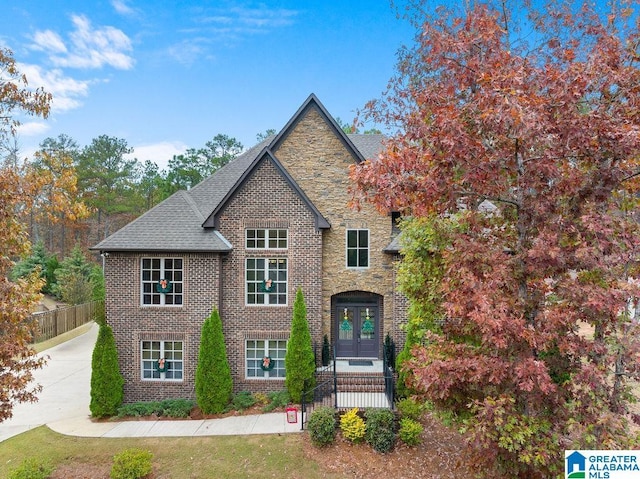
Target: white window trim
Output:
[
  {"x": 246, "y": 283},
  {"x": 162, "y": 296},
  {"x": 162, "y": 354},
  {"x": 267, "y": 374},
  {"x": 346, "y": 249},
  {"x": 266, "y": 238}
]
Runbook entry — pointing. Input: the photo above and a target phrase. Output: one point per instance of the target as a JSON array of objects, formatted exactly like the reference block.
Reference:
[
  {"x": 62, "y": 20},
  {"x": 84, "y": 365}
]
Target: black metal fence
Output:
[{"x": 345, "y": 390}]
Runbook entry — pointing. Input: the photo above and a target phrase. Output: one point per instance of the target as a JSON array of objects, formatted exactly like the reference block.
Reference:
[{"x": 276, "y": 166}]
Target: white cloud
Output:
[
  {"x": 253, "y": 20},
  {"x": 48, "y": 41},
  {"x": 226, "y": 25},
  {"x": 264, "y": 16},
  {"x": 66, "y": 91},
  {"x": 158, "y": 153},
  {"x": 189, "y": 51},
  {"x": 33, "y": 128},
  {"x": 88, "y": 47},
  {"x": 122, "y": 8}
]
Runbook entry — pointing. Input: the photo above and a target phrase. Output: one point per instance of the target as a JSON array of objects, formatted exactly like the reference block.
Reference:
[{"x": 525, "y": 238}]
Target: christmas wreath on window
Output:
[
  {"x": 267, "y": 364},
  {"x": 163, "y": 286},
  {"x": 267, "y": 286},
  {"x": 161, "y": 365}
]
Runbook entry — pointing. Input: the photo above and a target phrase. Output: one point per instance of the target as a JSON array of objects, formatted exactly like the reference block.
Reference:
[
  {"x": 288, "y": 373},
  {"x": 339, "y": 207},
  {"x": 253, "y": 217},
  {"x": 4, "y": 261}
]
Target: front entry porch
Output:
[{"x": 352, "y": 382}]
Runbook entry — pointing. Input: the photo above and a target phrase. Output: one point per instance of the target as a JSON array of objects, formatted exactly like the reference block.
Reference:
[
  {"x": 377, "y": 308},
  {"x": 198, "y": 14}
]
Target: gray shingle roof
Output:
[
  {"x": 173, "y": 225},
  {"x": 368, "y": 145},
  {"x": 176, "y": 224}
]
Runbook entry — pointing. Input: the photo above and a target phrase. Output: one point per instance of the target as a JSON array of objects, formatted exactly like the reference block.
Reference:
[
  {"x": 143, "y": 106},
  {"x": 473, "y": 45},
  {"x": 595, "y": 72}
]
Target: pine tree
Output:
[
  {"x": 106, "y": 380},
  {"x": 214, "y": 385},
  {"x": 300, "y": 364}
]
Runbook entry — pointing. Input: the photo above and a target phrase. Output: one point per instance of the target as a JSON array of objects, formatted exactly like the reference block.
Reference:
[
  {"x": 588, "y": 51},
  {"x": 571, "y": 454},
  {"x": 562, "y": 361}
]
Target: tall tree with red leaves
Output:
[{"x": 523, "y": 130}]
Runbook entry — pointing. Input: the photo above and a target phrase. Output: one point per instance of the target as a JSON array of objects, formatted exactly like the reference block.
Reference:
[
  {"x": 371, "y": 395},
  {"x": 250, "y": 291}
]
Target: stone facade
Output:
[{"x": 320, "y": 163}]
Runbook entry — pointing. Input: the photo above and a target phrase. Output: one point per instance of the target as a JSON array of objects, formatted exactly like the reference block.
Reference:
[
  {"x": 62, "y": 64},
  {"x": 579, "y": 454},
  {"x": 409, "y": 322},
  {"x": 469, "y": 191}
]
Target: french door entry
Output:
[{"x": 357, "y": 331}]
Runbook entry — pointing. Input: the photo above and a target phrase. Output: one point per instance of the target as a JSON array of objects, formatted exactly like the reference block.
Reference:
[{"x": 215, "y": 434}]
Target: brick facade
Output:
[
  {"x": 132, "y": 322},
  {"x": 267, "y": 201},
  {"x": 318, "y": 161}
]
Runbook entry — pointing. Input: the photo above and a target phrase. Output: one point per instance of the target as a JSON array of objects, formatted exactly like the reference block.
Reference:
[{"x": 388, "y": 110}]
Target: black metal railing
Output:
[{"x": 345, "y": 390}]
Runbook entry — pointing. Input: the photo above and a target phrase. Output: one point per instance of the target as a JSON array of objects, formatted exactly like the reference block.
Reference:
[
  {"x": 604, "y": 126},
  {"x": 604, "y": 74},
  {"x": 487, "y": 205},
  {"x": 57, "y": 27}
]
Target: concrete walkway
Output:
[{"x": 63, "y": 405}]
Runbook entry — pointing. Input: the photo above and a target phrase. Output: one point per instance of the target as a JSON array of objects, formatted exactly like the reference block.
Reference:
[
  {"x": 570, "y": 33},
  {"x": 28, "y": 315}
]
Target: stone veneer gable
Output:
[{"x": 319, "y": 162}]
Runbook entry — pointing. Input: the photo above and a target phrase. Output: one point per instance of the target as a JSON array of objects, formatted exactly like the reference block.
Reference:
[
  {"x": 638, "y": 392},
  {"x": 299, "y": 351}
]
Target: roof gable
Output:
[
  {"x": 312, "y": 102},
  {"x": 265, "y": 155},
  {"x": 184, "y": 221}
]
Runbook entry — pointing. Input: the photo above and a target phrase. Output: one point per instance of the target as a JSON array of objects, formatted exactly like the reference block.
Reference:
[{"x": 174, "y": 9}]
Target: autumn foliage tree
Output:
[
  {"x": 17, "y": 358},
  {"x": 523, "y": 133},
  {"x": 56, "y": 208}
]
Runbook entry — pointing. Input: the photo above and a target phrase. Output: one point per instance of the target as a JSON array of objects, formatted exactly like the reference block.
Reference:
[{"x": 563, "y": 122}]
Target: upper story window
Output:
[
  {"x": 266, "y": 281},
  {"x": 266, "y": 239},
  {"x": 357, "y": 248},
  {"x": 161, "y": 281}
]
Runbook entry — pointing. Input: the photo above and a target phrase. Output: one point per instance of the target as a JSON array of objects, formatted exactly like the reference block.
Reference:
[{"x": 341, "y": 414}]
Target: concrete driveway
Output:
[{"x": 65, "y": 380}]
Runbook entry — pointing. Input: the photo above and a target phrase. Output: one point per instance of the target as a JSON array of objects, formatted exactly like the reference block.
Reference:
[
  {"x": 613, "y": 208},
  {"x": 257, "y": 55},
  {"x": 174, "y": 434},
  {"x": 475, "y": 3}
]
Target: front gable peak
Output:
[
  {"x": 312, "y": 103},
  {"x": 265, "y": 155}
]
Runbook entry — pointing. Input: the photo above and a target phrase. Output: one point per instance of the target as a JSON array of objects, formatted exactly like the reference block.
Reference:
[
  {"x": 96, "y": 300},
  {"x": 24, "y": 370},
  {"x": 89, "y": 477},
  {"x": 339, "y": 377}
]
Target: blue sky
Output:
[{"x": 170, "y": 75}]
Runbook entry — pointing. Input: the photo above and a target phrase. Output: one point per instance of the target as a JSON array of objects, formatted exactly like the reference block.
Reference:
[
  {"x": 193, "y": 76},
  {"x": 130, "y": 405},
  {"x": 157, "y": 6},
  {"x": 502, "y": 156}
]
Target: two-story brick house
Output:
[{"x": 243, "y": 241}]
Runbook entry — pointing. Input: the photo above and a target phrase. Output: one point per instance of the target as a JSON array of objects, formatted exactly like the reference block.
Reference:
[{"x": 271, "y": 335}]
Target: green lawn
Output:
[{"x": 202, "y": 457}]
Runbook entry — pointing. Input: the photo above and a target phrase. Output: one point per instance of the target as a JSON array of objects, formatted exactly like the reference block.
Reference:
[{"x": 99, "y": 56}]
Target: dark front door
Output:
[{"x": 357, "y": 331}]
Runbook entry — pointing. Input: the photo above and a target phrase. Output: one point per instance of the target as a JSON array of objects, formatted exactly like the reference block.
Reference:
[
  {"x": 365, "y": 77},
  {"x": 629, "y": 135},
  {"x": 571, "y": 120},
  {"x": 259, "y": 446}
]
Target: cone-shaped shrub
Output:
[
  {"x": 214, "y": 385},
  {"x": 106, "y": 380},
  {"x": 299, "y": 362}
]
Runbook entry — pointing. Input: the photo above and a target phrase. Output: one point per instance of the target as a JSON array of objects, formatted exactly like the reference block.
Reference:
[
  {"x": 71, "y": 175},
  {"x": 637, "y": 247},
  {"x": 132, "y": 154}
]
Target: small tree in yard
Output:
[
  {"x": 106, "y": 380},
  {"x": 527, "y": 143},
  {"x": 300, "y": 363},
  {"x": 214, "y": 385}
]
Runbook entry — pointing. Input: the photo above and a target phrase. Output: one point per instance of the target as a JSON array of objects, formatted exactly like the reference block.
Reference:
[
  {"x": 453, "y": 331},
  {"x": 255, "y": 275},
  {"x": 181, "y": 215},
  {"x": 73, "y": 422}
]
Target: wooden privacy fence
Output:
[{"x": 57, "y": 321}]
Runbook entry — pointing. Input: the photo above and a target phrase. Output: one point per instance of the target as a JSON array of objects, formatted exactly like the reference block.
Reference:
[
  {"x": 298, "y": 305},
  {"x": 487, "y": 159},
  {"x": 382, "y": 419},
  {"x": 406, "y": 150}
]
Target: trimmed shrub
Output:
[
  {"x": 326, "y": 351},
  {"x": 214, "y": 385},
  {"x": 131, "y": 464},
  {"x": 352, "y": 426},
  {"x": 241, "y": 401},
  {"x": 410, "y": 431},
  {"x": 322, "y": 426},
  {"x": 106, "y": 381},
  {"x": 299, "y": 362},
  {"x": 380, "y": 431},
  {"x": 179, "y": 408},
  {"x": 410, "y": 408},
  {"x": 31, "y": 468},
  {"x": 277, "y": 399}
]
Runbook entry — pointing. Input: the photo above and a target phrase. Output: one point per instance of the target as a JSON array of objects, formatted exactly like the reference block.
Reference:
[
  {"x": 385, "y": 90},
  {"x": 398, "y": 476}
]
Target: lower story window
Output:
[
  {"x": 162, "y": 360},
  {"x": 265, "y": 358}
]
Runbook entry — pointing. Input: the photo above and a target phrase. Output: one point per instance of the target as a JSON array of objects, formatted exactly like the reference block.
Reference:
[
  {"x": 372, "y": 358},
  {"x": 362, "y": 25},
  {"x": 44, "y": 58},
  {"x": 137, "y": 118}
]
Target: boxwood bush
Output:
[
  {"x": 31, "y": 468},
  {"x": 410, "y": 431},
  {"x": 131, "y": 464},
  {"x": 322, "y": 426},
  {"x": 380, "y": 432}
]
